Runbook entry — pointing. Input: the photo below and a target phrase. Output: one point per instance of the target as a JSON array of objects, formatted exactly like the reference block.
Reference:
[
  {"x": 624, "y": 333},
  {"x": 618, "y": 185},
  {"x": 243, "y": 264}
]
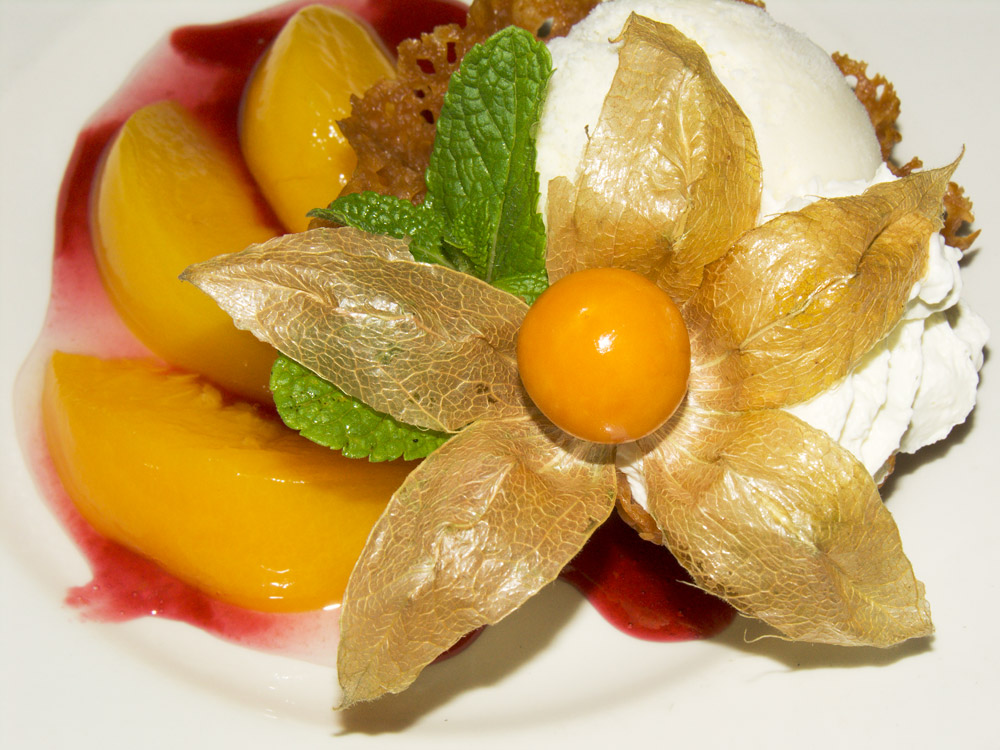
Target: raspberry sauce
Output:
[{"x": 637, "y": 586}]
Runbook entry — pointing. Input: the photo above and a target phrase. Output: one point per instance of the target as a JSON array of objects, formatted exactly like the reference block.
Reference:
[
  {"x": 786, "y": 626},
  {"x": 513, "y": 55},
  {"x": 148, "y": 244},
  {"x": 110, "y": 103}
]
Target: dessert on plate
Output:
[{"x": 627, "y": 165}]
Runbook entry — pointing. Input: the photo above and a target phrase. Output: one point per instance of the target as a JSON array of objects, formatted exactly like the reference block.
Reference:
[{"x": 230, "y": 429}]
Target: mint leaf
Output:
[
  {"x": 388, "y": 215},
  {"x": 482, "y": 178},
  {"x": 480, "y": 216},
  {"x": 527, "y": 287},
  {"x": 321, "y": 412}
]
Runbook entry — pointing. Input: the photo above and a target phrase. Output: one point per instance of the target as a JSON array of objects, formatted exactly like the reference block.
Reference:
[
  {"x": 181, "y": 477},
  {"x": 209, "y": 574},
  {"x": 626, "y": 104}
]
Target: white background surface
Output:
[{"x": 554, "y": 672}]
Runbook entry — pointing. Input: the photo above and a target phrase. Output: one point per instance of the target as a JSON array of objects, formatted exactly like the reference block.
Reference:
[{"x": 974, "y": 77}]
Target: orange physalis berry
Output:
[{"x": 605, "y": 355}]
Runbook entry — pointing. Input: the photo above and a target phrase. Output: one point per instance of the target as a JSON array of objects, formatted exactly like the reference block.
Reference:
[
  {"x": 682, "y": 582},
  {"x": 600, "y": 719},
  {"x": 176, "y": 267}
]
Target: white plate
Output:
[{"x": 554, "y": 671}]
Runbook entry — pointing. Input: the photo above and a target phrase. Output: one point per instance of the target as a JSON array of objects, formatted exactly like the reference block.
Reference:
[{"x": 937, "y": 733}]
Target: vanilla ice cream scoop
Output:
[
  {"x": 815, "y": 140},
  {"x": 809, "y": 126}
]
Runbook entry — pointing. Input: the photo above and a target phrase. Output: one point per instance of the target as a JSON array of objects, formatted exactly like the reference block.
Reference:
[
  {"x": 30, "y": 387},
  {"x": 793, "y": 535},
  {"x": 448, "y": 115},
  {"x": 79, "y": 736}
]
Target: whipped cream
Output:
[
  {"x": 917, "y": 383},
  {"x": 815, "y": 140}
]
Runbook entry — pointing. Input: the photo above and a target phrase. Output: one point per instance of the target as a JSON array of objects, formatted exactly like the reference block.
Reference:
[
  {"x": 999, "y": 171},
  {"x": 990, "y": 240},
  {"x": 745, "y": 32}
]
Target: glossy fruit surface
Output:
[
  {"x": 170, "y": 195},
  {"x": 300, "y": 89},
  {"x": 605, "y": 355},
  {"x": 222, "y": 496}
]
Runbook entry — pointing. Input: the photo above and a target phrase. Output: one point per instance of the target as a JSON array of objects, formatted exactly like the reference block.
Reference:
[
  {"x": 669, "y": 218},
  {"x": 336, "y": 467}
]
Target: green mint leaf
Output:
[
  {"x": 482, "y": 177},
  {"x": 388, "y": 215},
  {"x": 480, "y": 217},
  {"x": 321, "y": 412},
  {"x": 527, "y": 286}
]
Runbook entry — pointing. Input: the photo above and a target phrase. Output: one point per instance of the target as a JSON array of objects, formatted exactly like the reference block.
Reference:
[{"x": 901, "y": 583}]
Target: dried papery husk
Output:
[
  {"x": 764, "y": 510},
  {"x": 478, "y": 528},
  {"x": 800, "y": 300},
  {"x": 774, "y": 516},
  {"x": 392, "y": 127},
  {"x": 670, "y": 149},
  {"x": 430, "y": 346}
]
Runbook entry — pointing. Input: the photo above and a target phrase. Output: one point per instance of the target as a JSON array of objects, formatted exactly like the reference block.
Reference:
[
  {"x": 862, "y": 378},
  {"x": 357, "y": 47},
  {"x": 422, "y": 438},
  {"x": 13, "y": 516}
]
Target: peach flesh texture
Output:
[
  {"x": 299, "y": 90},
  {"x": 169, "y": 195},
  {"x": 220, "y": 494}
]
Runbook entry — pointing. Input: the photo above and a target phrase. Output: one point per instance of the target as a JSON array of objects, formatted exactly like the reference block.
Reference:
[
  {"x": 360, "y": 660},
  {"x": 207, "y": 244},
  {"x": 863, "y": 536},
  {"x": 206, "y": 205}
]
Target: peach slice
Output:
[
  {"x": 299, "y": 90},
  {"x": 218, "y": 494},
  {"x": 169, "y": 195}
]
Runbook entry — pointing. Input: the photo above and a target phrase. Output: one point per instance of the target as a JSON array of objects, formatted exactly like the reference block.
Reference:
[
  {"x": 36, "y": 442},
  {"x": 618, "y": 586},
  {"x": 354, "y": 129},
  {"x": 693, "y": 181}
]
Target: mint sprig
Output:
[
  {"x": 482, "y": 178},
  {"x": 480, "y": 216},
  {"x": 326, "y": 415},
  {"x": 387, "y": 215}
]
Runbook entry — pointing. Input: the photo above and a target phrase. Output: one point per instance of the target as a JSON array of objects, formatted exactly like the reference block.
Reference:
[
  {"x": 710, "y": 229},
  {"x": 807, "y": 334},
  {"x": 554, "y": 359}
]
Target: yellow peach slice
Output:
[
  {"x": 223, "y": 497},
  {"x": 169, "y": 195},
  {"x": 299, "y": 90}
]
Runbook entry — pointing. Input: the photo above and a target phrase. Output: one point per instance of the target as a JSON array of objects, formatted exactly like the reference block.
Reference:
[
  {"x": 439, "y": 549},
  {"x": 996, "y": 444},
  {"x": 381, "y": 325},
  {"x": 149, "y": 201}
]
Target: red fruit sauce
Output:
[{"x": 637, "y": 586}]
